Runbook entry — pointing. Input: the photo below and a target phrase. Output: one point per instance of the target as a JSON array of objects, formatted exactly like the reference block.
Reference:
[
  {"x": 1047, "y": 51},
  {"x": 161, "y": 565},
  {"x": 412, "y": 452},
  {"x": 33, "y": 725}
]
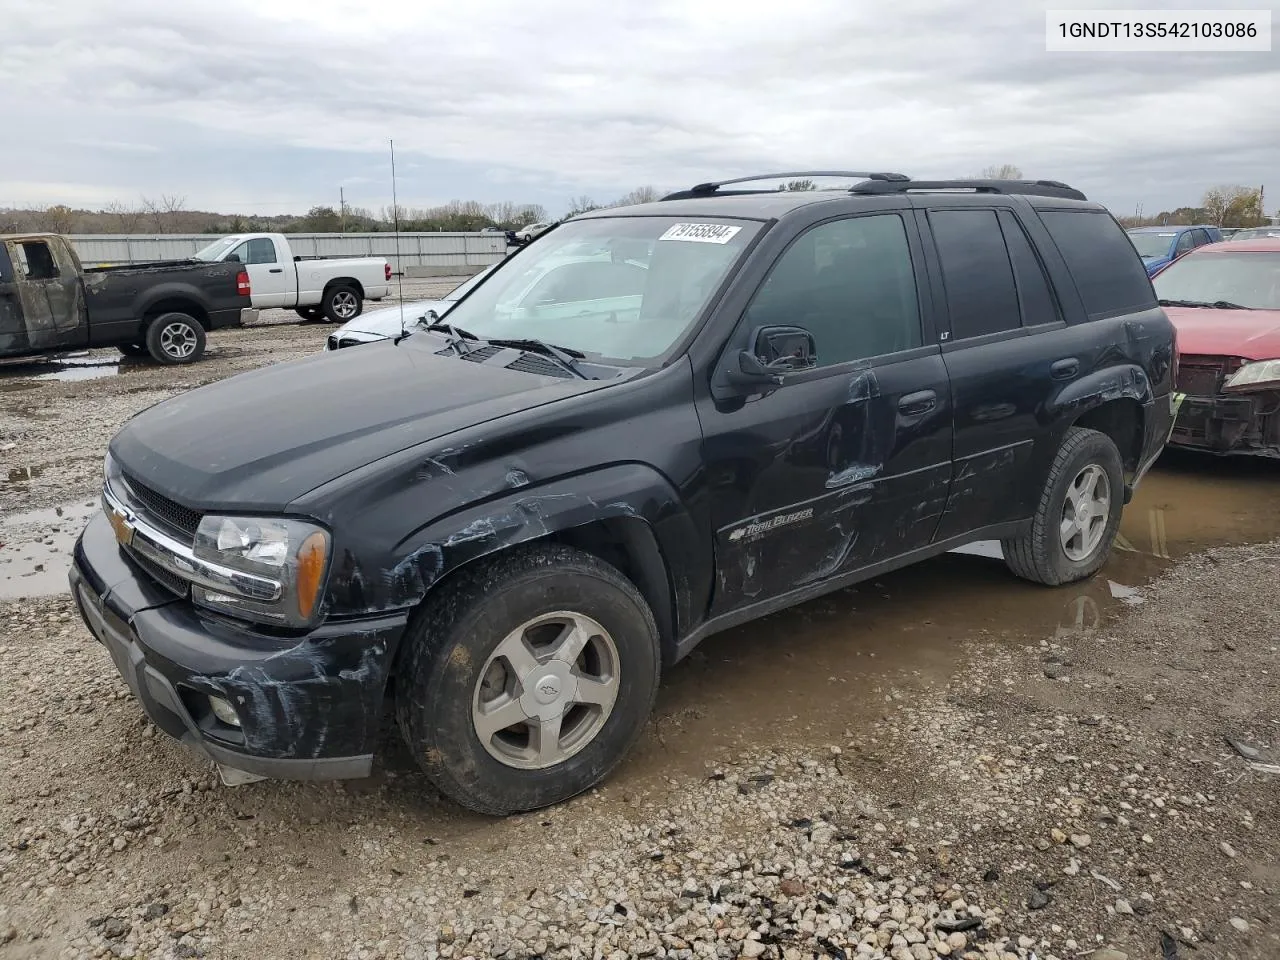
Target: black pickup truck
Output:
[
  {"x": 50, "y": 303},
  {"x": 510, "y": 521}
]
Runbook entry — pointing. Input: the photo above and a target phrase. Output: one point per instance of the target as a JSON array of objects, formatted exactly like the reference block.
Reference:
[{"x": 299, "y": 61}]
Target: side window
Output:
[
  {"x": 1185, "y": 242},
  {"x": 36, "y": 260},
  {"x": 1202, "y": 237},
  {"x": 1037, "y": 301},
  {"x": 1106, "y": 268},
  {"x": 260, "y": 250},
  {"x": 848, "y": 282},
  {"x": 981, "y": 296}
]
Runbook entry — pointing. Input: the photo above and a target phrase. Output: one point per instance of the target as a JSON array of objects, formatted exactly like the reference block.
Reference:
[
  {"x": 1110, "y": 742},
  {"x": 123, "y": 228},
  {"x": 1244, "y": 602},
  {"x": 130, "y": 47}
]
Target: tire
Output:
[
  {"x": 450, "y": 668},
  {"x": 132, "y": 349},
  {"x": 174, "y": 338},
  {"x": 310, "y": 314},
  {"x": 341, "y": 304},
  {"x": 1047, "y": 554}
]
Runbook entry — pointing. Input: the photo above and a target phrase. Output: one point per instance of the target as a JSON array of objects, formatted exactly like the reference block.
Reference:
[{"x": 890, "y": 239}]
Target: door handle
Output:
[
  {"x": 920, "y": 402},
  {"x": 276, "y": 270},
  {"x": 1065, "y": 369}
]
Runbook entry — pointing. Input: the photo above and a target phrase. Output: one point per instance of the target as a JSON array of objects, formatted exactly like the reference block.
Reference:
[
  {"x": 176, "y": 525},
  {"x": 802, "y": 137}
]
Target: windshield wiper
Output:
[
  {"x": 1215, "y": 305},
  {"x": 457, "y": 335},
  {"x": 567, "y": 356}
]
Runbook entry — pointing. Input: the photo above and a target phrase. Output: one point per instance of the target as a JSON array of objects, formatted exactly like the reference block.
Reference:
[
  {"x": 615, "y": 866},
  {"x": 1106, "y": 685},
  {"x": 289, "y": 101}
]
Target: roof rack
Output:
[
  {"x": 1037, "y": 188},
  {"x": 713, "y": 188}
]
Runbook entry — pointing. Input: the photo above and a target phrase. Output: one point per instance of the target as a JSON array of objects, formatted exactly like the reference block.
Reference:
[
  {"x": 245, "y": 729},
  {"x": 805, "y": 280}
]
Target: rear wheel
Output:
[
  {"x": 132, "y": 349},
  {"x": 1078, "y": 515},
  {"x": 175, "y": 338},
  {"x": 341, "y": 304},
  {"x": 526, "y": 681}
]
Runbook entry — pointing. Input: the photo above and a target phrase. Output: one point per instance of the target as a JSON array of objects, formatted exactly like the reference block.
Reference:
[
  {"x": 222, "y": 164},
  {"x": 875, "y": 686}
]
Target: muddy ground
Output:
[{"x": 945, "y": 762}]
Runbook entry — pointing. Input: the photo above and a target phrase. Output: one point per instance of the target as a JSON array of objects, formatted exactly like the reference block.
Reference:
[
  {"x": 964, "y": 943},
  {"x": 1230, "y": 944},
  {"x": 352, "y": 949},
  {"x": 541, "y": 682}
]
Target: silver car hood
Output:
[{"x": 388, "y": 321}]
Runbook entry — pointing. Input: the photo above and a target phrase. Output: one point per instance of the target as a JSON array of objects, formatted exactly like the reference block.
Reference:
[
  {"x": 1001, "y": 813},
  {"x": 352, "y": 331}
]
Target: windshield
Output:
[
  {"x": 619, "y": 289},
  {"x": 462, "y": 289},
  {"x": 1152, "y": 244},
  {"x": 1257, "y": 233},
  {"x": 215, "y": 250},
  {"x": 1249, "y": 279}
]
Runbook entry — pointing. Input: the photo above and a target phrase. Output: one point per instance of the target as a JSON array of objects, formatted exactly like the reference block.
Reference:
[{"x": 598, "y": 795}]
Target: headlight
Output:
[
  {"x": 1262, "y": 375},
  {"x": 292, "y": 553}
]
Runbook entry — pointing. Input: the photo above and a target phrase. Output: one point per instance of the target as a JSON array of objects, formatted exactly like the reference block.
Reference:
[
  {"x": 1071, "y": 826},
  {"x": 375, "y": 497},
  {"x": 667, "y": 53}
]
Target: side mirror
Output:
[
  {"x": 777, "y": 351},
  {"x": 233, "y": 258}
]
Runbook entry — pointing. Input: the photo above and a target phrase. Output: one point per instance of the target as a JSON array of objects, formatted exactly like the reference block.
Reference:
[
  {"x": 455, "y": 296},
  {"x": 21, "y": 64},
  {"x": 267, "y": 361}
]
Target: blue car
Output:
[{"x": 1160, "y": 246}]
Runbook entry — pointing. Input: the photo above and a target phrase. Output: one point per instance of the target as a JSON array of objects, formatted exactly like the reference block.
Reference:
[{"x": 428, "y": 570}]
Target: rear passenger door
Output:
[{"x": 1006, "y": 350}]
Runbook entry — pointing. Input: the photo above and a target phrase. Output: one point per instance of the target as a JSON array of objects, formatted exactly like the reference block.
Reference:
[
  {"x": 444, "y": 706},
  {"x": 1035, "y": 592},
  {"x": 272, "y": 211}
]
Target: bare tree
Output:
[
  {"x": 646, "y": 194},
  {"x": 792, "y": 186},
  {"x": 1003, "y": 171},
  {"x": 577, "y": 205},
  {"x": 1233, "y": 206},
  {"x": 164, "y": 212},
  {"x": 125, "y": 218},
  {"x": 57, "y": 219}
]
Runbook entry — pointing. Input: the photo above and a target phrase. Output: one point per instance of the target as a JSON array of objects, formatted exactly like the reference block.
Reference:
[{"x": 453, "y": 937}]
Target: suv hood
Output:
[
  {"x": 262, "y": 439},
  {"x": 1251, "y": 334}
]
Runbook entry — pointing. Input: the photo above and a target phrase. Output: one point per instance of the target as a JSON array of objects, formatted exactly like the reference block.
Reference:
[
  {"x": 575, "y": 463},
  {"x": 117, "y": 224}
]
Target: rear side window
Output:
[
  {"x": 1107, "y": 270},
  {"x": 981, "y": 296},
  {"x": 1038, "y": 304}
]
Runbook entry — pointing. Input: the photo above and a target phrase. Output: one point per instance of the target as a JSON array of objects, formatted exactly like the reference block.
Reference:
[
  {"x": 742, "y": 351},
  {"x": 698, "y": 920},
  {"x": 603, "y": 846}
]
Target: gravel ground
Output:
[{"x": 948, "y": 780}]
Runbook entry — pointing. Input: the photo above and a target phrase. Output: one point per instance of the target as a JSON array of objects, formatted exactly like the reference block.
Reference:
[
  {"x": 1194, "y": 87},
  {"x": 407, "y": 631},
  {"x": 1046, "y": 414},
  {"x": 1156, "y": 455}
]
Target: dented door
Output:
[
  {"x": 847, "y": 464},
  {"x": 13, "y": 330},
  {"x": 46, "y": 287}
]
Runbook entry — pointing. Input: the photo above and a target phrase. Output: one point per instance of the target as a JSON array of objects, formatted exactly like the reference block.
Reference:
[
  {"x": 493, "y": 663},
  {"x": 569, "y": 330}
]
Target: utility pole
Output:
[{"x": 342, "y": 207}]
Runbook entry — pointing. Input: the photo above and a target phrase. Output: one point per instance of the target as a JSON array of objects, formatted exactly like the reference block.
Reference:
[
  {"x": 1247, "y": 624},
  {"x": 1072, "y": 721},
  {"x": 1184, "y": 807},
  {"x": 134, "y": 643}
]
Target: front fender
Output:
[{"x": 629, "y": 492}]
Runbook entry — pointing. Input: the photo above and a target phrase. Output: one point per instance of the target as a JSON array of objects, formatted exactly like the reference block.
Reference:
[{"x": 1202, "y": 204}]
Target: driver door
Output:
[
  {"x": 274, "y": 284},
  {"x": 845, "y": 464}
]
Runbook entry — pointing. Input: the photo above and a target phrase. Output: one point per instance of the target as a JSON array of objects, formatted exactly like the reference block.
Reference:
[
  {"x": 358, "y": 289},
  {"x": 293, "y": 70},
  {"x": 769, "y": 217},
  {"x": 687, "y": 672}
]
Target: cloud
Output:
[{"x": 499, "y": 99}]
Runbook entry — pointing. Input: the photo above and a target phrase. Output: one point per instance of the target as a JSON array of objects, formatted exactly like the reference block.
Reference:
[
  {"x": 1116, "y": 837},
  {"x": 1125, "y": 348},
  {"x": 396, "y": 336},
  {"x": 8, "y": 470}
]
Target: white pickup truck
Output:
[{"x": 328, "y": 288}]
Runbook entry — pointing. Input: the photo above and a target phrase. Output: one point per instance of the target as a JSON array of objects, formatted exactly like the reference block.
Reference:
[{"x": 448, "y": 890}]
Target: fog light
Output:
[{"x": 223, "y": 710}]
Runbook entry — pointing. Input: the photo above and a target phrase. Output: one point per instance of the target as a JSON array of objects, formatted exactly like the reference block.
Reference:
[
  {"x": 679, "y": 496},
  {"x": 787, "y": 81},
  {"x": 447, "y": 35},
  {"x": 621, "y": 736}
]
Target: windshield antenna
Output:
[{"x": 395, "y": 219}]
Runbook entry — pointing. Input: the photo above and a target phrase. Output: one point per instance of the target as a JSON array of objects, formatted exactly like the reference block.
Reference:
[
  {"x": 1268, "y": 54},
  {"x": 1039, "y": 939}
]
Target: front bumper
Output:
[
  {"x": 1246, "y": 424},
  {"x": 310, "y": 708}
]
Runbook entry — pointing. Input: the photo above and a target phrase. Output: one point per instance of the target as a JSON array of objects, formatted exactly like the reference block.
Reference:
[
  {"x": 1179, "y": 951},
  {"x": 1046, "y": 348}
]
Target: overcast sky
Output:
[{"x": 272, "y": 105}]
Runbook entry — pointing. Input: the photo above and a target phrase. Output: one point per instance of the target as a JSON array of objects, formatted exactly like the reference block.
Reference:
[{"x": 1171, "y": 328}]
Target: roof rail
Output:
[
  {"x": 1037, "y": 188},
  {"x": 709, "y": 189}
]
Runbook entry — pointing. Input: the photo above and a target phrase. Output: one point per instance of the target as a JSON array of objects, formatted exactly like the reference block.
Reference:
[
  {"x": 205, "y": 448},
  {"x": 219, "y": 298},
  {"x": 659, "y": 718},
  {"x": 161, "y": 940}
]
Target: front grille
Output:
[
  {"x": 155, "y": 506},
  {"x": 170, "y": 581},
  {"x": 1201, "y": 376}
]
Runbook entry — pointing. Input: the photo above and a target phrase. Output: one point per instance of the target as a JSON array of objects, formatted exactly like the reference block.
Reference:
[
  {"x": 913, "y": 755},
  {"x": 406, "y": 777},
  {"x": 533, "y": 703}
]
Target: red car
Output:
[{"x": 1224, "y": 300}]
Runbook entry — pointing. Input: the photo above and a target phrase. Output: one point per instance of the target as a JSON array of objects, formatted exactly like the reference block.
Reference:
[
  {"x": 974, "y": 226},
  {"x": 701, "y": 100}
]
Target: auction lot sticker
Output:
[{"x": 701, "y": 232}]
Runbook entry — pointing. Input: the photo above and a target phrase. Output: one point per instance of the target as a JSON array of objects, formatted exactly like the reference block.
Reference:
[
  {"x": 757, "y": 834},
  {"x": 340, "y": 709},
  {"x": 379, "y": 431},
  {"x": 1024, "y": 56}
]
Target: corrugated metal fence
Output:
[{"x": 419, "y": 252}]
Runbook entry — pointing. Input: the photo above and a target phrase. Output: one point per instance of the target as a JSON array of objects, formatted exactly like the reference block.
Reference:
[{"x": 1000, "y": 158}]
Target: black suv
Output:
[{"x": 651, "y": 424}]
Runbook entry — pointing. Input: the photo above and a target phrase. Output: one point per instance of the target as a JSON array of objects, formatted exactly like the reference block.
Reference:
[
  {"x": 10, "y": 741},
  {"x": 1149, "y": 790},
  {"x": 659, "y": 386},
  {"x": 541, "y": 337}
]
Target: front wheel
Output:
[
  {"x": 341, "y": 304},
  {"x": 526, "y": 681},
  {"x": 1078, "y": 515},
  {"x": 175, "y": 338}
]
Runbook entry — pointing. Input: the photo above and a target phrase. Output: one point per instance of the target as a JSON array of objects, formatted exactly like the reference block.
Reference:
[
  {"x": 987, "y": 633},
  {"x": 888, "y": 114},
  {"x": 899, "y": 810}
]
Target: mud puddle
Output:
[
  {"x": 73, "y": 366},
  {"x": 812, "y": 672},
  {"x": 35, "y": 548}
]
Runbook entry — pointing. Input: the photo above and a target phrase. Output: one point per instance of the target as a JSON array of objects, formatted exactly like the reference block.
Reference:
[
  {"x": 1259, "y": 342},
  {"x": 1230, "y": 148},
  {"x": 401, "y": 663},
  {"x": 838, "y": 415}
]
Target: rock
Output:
[
  {"x": 1106, "y": 953},
  {"x": 1081, "y": 840},
  {"x": 793, "y": 888},
  {"x": 1038, "y": 900},
  {"x": 1057, "y": 835},
  {"x": 1123, "y": 908},
  {"x": 155, "y": 911},
  {"x": 1055, "y": 671},
  {"x": 115, "y": 929},
  {"x": 1228, "y": 849},
  {"x": 752, "y": 948},
  {"x": 992, "y": 875},
  {"x": 1240, "y": 923},
  {"x": 957, "y": 941}
]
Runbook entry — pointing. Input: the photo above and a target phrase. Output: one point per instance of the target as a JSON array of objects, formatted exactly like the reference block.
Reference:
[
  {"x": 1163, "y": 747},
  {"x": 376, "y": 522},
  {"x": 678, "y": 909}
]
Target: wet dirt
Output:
[
  {"x": 808, "y": 674},
  {"x": 35, "y": 548}
]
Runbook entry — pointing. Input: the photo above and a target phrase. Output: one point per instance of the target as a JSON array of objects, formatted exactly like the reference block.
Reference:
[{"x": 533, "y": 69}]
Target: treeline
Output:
[
  {"x": 169, "y": 215},
  {"x": 1223, "y": 206}
]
